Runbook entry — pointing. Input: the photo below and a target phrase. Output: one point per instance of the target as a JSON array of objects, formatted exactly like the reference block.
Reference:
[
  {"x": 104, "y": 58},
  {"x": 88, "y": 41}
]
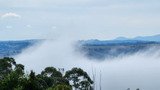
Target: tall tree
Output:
[
  {"x": 53, "y": 77},
  {"x": 79, "y": 78}
]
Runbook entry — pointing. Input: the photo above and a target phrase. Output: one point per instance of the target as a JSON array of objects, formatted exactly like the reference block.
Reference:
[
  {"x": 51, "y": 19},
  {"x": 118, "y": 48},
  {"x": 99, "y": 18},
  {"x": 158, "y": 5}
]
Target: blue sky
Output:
[{"x": 81, "y": 19}]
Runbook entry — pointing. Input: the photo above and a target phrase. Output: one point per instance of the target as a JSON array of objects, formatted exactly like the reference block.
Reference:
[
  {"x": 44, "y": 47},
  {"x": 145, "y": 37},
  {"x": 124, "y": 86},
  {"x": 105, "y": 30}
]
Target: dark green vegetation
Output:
[{"x": 13, "y": 77}]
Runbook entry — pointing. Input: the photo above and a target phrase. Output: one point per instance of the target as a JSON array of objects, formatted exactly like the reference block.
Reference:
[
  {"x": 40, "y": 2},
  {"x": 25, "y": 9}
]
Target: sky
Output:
[{"x": 79, "y": 19}]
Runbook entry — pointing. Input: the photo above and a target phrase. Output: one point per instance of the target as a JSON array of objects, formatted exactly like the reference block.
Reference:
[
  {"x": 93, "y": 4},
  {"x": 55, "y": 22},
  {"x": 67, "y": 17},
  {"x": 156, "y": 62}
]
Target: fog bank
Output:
[{"x": 140, "y": 70}]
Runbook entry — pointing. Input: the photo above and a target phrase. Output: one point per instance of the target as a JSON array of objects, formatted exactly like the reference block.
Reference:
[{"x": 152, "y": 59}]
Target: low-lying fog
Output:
[{"x": 140, "y": 70}]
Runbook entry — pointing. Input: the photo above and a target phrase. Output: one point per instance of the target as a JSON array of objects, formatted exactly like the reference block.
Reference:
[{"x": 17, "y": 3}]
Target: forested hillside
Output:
[{"x": 95, "y": 49}]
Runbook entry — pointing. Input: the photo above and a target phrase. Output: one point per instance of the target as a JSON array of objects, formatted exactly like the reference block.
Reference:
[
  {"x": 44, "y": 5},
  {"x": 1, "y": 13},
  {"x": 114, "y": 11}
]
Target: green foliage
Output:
[
  {"x": 79, "y": 78},
  {"x": 60, "y": 87},
  {"x": 6, "y": 66},
  {"x": 12, "y": 77},
  {"x": 51, "y": 72},
  {"x": 52, "y": 77}
]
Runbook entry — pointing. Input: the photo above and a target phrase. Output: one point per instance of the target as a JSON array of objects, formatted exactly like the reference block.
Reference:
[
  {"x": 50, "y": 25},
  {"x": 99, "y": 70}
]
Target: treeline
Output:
[{"x": 13, "y": 77}]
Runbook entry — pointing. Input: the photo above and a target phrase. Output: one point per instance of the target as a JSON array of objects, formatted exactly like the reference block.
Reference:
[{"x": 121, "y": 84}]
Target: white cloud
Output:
[{"x": 10, "y": 14}]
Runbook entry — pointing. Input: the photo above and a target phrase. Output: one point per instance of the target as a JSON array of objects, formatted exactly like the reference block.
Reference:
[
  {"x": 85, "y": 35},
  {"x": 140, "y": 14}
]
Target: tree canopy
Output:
[{"x": 13, "y": 77}]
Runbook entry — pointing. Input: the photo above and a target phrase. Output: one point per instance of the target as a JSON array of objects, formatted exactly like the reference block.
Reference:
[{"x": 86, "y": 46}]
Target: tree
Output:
[
  {"x": 6, "y": 66},
  {"x": 53, "y": 77},
  {"x": 51, "y": 72},
  {"x": 11, "y": 74},
  {"x": 19, "y": 68},
  {"x": 33, "y": 83},
  {"x": 10, "y": 82},
  {"x": 79, "y": 78}
]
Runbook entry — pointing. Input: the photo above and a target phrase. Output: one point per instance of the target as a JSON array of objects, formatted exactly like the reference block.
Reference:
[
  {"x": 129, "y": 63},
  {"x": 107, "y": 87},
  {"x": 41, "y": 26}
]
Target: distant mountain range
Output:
[{"x": 144, "y": 38}]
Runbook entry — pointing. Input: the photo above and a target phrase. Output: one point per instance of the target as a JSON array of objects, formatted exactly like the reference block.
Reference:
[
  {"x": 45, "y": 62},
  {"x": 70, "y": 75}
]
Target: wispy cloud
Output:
[{"x": 10, "y": 15}]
